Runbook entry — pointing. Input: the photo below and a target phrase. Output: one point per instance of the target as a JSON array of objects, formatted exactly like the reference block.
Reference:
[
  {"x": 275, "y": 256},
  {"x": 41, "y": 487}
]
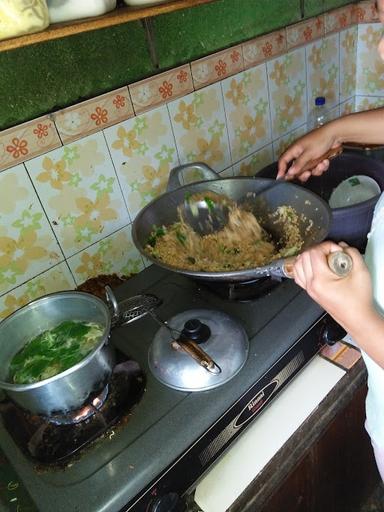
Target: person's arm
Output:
[
  {"x": 362, "y": 127},
  {"x": 348, "y": 300}
]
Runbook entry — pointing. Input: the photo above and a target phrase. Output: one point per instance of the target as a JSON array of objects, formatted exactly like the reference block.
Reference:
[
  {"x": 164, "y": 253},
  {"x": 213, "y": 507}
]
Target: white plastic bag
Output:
[
  {"x": 18, "y": 17},
  {"x": 67, "y": 10}
]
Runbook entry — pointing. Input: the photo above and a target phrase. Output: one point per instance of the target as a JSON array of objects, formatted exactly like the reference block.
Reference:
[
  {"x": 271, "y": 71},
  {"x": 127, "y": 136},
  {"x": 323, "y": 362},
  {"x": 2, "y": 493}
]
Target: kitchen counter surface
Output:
[{"x": 264, "y": 484}]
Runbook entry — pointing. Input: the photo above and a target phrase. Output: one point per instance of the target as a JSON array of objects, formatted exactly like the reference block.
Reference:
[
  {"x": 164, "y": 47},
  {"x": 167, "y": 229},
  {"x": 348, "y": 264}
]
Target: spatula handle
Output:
[
  {"x": 339, "y": 262},
  {"x": 331, "y": 153}
]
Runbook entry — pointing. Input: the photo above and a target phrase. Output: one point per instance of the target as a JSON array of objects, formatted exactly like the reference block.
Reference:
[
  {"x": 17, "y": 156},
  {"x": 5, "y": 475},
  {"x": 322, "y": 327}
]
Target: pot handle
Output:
[
  {"x": 113, "y": 305},
  {"x": 175, "y": 180},
  {"x": 339, "y": 262},
  {"x": 197, "y": 353}
]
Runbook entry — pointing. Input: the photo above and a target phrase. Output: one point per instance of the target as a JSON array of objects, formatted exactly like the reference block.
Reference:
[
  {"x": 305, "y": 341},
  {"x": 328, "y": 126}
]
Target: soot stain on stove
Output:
[{"x": 57, "y": 446}]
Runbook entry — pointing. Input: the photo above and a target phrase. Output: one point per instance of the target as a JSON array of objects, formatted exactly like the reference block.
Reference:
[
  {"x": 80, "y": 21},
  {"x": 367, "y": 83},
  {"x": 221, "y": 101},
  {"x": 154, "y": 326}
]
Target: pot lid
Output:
[{"x": 222, "y": 339}]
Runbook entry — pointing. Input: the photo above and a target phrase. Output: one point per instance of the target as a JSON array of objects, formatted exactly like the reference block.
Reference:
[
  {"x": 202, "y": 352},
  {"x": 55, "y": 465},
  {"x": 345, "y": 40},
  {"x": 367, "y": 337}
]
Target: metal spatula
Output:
[{"x": 207, "y": 212}]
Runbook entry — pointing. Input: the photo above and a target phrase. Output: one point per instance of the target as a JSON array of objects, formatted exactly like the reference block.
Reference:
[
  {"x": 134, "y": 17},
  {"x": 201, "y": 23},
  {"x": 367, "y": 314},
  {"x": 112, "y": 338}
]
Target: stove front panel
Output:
[
  {"x": 121, "y": 465},
  {"x": 185, "y": 471}
]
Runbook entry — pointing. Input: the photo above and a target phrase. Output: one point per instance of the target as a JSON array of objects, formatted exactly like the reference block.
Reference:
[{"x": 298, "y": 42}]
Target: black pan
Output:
[{"x": 314, "y": 212}]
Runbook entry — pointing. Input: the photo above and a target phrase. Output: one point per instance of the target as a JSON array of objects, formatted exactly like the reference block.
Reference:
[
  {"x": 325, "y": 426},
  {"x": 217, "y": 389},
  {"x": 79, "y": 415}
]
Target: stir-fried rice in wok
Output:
[{"x": 242, "y": 244}]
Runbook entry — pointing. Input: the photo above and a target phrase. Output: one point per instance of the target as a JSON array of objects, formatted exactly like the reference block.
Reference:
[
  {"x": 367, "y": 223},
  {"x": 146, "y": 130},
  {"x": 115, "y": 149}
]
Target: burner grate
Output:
[
  {"x": 242, "y": 291},
  {"x": 51, "y": 443},
  {"x": 138, "y": 306},
  {"x": 131, "y": 309}
]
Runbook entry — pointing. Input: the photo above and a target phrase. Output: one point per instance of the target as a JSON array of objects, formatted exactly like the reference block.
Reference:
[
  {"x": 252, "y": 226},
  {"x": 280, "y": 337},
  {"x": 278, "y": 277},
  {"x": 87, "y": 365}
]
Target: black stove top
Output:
[{"x": 125, "y": 463}]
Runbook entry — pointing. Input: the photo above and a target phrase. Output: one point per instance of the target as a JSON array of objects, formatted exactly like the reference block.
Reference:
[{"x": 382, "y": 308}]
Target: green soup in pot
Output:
[{"x": 54, "y": 351}]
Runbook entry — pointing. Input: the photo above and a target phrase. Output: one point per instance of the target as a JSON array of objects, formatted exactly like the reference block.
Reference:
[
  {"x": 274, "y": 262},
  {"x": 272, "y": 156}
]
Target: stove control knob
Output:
[
  {"x": 170, "y": 502},
  {"x": 332, "y": 332}
]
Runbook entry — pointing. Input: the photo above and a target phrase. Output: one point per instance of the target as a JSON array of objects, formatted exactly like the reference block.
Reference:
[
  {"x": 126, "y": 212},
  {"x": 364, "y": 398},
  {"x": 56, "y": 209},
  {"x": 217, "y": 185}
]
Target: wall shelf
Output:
[{"x": 116, "y": 17}]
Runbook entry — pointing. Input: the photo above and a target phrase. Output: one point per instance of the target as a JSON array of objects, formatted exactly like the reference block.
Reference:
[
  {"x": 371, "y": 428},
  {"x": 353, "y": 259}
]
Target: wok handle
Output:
[
  {"x": 331, "y": 153},
  {"x": 197, "y": 353},
  {"x": 339, "y": 262},
  {"x": 204, "y": 172}
]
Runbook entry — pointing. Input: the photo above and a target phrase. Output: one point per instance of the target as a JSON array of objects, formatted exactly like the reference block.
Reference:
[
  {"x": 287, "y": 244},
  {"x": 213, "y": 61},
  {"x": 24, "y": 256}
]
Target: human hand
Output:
[
  {"x": 305, "y": 150},
  {"x": 349, "y": 299}
]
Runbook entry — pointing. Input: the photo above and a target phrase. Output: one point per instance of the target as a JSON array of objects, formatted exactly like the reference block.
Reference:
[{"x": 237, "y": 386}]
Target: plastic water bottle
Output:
[{"x": 318, "y": 116}]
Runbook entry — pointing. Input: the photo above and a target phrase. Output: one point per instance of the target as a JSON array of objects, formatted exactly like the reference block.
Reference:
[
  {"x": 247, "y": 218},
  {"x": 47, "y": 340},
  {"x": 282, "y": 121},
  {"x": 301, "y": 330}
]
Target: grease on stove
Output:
[{"x": 53, "y": 446}]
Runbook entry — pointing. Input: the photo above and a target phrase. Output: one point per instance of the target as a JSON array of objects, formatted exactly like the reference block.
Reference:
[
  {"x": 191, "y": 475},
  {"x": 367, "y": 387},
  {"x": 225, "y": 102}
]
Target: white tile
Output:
[
  {"x": 323, "y": 76},
  {"x": 287, "y": 91},
  {"x": 281, "y": 144},
  {"x": 113, "y": 254},
  {"x": 348, "y": 58},
  {"x": 79, "y": 190},
  {"x": 370, "y": 67},
  {"x": 254, "y": 163},
  {"x": 27, "y": 244},
  {"x": 199, "y": 124},
  {"x": 143, "y": 151},
  {"x": 55, "y": 279},
  {"x": 247, "y": 111}
]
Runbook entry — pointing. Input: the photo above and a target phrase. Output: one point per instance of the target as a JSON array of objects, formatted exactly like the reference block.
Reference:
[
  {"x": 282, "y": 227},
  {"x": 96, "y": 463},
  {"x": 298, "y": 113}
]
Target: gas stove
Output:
[{"x": 156, "y": 454}]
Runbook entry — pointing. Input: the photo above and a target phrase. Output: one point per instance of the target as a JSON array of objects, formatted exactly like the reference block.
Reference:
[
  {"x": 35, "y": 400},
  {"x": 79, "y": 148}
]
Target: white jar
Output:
[
  {"x": 18, "y": 17},
  {"x": 138, "y": 3},
  {"x": 67, "y": 10}
]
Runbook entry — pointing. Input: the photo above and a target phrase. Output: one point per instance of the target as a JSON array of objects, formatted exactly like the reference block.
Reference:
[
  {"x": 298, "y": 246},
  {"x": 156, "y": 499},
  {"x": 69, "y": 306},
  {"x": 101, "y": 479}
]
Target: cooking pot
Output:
[
  {"x": 313, "y": 212},
  {"x": 350, "y": 224},
  {"x": 69, "y": 389}
]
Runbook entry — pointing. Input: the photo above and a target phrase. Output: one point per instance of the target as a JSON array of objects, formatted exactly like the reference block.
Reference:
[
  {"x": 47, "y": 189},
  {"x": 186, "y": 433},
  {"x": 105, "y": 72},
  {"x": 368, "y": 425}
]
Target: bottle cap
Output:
[{"x": 320, "y": 100}]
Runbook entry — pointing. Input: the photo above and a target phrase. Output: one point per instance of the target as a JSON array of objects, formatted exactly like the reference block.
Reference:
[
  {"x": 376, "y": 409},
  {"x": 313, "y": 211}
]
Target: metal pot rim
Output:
[{"x": 25, "y": 387}]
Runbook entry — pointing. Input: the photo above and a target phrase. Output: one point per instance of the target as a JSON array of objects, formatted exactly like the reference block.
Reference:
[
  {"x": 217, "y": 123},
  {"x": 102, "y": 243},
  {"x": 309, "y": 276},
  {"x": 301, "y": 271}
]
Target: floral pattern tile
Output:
[
  {"x": 287, "y": 92},
  {"x": 143, "y": 151},
  {"x": 26, "y": 141},
  {"x": 55, "y": 279},
  {"x": 247, "y": 111},
  {"x": 368, "y": 103},
  {"x": 338, "y": 19},
  {"x": 323, "y": 71},
  {"x": 370, "y": 67},
  {"x": 333, "y": 113},
  {"x": 280, "y": 145},
  {"x": 200, "y": 129},
  {"x": 27, "y": 244},
  {"x": 93, "y": 115},
  {"x": 215, "y": 67},
  {"x": 348, "y": 56},
  {"x": 264, "y": 47},
  {"x": 365, "y": 12},
  {"x": 305, "y": 31},
  {"x": 159, "y": 89},
  {"x": 347, "y": 107},
  {"x": 254, "y": 163},
  {"x": 78, "y": 188},
  {"x": 113, "y": 254}
]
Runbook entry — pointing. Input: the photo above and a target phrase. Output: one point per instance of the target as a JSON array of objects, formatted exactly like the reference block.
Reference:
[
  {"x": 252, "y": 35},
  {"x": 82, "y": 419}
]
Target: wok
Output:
[{"x": 314, "y": 213}]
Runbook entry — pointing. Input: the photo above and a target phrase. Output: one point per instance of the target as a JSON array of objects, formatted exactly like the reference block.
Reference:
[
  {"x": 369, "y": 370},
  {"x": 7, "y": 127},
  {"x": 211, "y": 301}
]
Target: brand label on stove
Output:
[{"x": 256, "y": 403}]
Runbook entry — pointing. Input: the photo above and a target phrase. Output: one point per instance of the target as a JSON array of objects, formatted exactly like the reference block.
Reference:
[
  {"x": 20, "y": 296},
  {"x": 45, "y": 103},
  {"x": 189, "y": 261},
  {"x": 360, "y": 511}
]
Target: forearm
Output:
[{"x": 361, "y": 127}]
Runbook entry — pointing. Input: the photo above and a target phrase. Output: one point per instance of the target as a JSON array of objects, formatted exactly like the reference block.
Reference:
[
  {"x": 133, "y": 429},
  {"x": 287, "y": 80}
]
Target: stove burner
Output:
[
  {"x": 242, "y": 291},
  {"x": 80, "y": 414},
  {"x": 56, "y": 439}
]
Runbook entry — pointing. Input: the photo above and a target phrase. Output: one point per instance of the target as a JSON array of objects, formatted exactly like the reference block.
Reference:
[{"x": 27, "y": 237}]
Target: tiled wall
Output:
[{"x": 72, "y": 183}]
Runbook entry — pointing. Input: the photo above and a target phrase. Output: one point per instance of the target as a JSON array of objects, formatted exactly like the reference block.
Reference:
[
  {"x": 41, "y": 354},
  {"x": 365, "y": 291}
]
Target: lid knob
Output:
[{"x": 195, "y": 330}]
